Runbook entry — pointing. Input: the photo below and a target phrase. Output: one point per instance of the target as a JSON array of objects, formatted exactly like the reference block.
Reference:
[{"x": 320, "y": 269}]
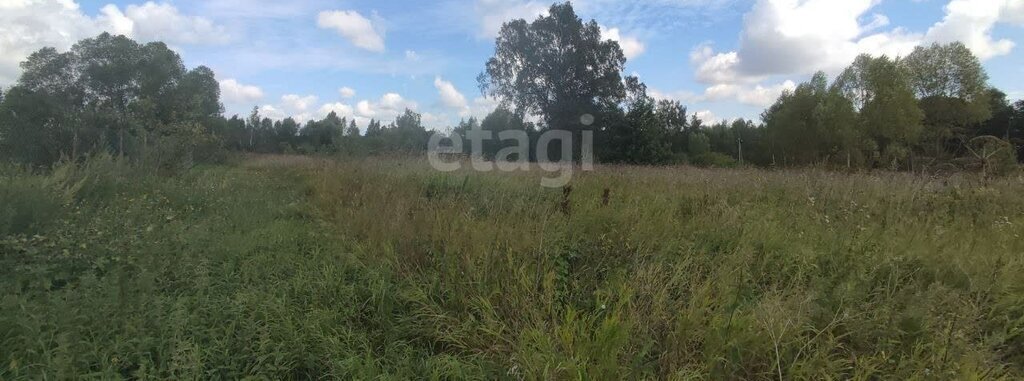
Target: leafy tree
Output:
[
  {"x": 639, "y": 136},
  {"x": 557, "y": 67},
  {"x": 951, "y": 85},
  {"x": 353, "y": 130},
  {"x": 889, "y": 114},
  {"x": 672, "y": 116},
  {"x": 813, "y": 123},
  {"x": 499, "y": 120},
  {"x": 949, "y": 71},
  {"x": 373, "y": 129},
  {"x": 286, "y": 130},
  {"x": 106, "y": 92},
  {"x": 699, "y": 144},
  {"x": 407, "y": 133},
  {"x": 252, "y": 127}
]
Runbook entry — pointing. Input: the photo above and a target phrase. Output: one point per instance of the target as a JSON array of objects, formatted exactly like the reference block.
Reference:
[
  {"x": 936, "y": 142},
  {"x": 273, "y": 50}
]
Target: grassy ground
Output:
[{"x": 293, "y": 268}]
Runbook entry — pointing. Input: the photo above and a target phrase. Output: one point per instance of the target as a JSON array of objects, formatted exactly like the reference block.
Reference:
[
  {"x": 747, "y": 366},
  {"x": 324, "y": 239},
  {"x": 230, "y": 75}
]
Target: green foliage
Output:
[
  {"x": 557, "y": 67},
  {"x": 691, "y": 273},
  {"x": 26, "y": 202},
  {"x": 640, "y": 135},
  {"x": 699, "y": 144},
  {"x": 713, "y": 159},
  {"x": 498, "y": 121},
  {"x": 813, "y": 123},
  {"x": 951, "y": 85},
  {"x": 218, "y": 273},
  {"x": 890, "y": 114},
  {"x": 107, "y": 93},
  {"x": 287, "y": 267}
]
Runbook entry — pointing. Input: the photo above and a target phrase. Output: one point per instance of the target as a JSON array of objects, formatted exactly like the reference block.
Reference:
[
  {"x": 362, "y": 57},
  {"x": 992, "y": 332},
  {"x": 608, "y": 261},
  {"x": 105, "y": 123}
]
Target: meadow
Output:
[{"x": 285, "y": 267}]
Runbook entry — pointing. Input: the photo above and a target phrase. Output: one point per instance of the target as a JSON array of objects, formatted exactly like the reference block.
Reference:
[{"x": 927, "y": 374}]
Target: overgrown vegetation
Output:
[
  {"x": 133, "y": 244},
  {"x": 293, "y": 268},
  {"x": 917, "y": 113}
]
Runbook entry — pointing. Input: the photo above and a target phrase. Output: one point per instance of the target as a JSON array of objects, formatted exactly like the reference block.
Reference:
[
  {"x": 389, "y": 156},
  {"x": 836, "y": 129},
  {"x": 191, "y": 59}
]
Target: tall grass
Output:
[
  {"x": 691, "y": 273},
  {"x": 288, "y": 268}
]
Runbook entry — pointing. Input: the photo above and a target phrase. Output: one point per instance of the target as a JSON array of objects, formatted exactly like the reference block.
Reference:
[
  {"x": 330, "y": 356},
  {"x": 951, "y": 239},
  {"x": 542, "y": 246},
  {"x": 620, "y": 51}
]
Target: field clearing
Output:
[{"x": 282, "y": 267}]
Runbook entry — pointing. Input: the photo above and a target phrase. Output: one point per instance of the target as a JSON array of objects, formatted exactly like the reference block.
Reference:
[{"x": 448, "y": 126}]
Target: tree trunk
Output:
[
  {"x": 74, "y": 147},
  {"x": 120, "y": 143}
]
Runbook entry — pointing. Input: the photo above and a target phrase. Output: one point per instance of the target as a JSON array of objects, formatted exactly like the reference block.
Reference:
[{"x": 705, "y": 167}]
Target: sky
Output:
[{"x": 723, "y": 59}]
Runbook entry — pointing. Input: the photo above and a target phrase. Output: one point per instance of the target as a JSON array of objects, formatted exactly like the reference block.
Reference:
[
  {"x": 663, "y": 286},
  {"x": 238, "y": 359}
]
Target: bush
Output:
[
  {"x": 714, "y": 159},
  {"x": 26, "y": 203},
  {"x": 187, "y": 146}
]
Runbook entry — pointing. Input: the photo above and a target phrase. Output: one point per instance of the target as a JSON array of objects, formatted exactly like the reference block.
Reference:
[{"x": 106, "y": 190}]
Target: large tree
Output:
[
  {"x": 814, "y": 123},
  {"x": 104, "y": 92},
  {"x": 498, "y": 121},
  {"x": 889, "y": 114},
  {"x": 953, "y": 93},
  {"x": 638, "y": 135},
  {"x": 557, "y": 67}
]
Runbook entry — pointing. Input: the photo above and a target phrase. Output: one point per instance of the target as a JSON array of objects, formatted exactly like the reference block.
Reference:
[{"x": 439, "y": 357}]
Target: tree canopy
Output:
[
  {"x": 557, "y": 67},
  {"x": 106, "y": 92}
]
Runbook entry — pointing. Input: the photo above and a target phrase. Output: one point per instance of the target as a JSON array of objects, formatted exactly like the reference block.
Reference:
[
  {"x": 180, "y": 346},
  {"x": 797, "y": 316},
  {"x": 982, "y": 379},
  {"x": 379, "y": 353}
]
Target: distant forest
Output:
[{"x": 930, "y": 110}]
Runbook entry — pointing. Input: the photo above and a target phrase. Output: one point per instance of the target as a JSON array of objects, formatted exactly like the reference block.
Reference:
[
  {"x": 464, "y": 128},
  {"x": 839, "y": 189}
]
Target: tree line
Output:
[{"x": 931, "y": 109}]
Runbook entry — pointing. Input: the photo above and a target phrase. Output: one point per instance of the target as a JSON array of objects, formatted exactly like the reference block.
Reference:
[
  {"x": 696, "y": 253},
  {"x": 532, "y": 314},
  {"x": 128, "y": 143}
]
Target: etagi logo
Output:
[{"x": 445, "y": 153}]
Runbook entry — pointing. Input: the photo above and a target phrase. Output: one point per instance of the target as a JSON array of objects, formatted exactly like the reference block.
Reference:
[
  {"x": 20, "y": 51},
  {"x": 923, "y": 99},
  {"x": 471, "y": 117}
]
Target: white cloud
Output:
[
  {"x": 119, "y": 22},
  {"x": 163, "y": 22},
  {"x": 764, "y": 96},
  {"x": 232, "y": 91},
  {"x": 493, "y": 13},
  {"x": 799, "y": 37},
  {"x": 482, "y": 106},
  {"x": 747, "y": 94},
  {"x": 359, "y": 30},
  {"x": 478, "y": 108},
  {"x": 1013, "y": 13},
  {"x": 364, "y": 109},
  {"x": 386, "y": 108},
  {"x": 786, "y": 37},
  {"x": 717, "y": 67},
  {"x": 971, "y": 22},
  {"x": 412, "y": 55},
  {"x": 434, "y": 121},
  {"x": 341, "y": 109},
  {"x": 757, "y": 95},
  {"x": 280, "y": 111},
  {"x": 269, "y": 111},
  {"x": 297, "y": 104},
  {"x": 346, "y": 92},
  {"x": 707, "y": 116},
  {"x": 450, "y": 96},
  {"x": 28, "y": 25},
  {"x": 631, "y": 46}
]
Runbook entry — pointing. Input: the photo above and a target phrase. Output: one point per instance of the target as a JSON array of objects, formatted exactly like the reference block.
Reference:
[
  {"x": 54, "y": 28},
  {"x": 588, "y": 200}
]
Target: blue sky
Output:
[{"x": 371, "y": 59}]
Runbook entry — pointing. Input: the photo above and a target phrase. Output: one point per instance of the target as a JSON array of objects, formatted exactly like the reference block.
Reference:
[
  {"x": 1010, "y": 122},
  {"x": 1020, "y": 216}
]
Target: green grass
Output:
[{"x": 384, "y": 269}]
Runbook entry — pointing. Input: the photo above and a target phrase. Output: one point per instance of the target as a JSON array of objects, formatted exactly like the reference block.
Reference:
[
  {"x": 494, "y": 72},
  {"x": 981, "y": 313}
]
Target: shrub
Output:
[
  {"x": 26, "y": 203},
  {"x": 714, "y": 159}
]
